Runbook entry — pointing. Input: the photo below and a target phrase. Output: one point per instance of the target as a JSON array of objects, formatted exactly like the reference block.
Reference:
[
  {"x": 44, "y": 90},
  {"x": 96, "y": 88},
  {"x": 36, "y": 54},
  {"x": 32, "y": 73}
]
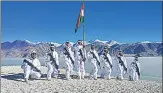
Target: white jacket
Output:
[
  {"x": 77, "y": 53},
  {"x": 71, "y": 54},
  {"x": 35, "y": 62},
  {"x": 90, "y": 56},
  {"x": 55, "y": 56},
  {"x": 123, "y": 59},
  {"x": 133, "y": 67},
  {"x": 104, "y": 61}
]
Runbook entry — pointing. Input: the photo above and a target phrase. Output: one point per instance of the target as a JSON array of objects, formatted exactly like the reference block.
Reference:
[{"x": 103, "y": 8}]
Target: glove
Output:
[
  {"x": 84, "y": 59},
  {"x": 125, "y": 69},
  {"x": 25, "y": 60},
  {"x": 111, "y": 66},
  {"x": 98, "y": 63},
  {"x": 73, "y": 62}
]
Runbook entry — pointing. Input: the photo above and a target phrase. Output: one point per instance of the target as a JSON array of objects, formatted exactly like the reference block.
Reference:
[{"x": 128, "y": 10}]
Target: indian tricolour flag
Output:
[{"x": 80, "y": 17}]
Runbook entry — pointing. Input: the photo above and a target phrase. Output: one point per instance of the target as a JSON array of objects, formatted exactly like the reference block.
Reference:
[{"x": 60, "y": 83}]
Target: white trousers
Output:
[
  {"x": 121, "y": 71},
  {"x": 30, "y": 73},
  {"x": 52, "y": 71},
  {"x": 69, "y": 69},
  {"x": 134, "y": 75},
  {"x": 94, "y": 71},
  {"x": 106, "y": 71},
  {"x": 80, "y": 69}
]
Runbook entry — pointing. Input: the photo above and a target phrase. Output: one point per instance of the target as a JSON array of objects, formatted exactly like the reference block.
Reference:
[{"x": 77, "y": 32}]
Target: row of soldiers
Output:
[{"x": 31, "y": 66}]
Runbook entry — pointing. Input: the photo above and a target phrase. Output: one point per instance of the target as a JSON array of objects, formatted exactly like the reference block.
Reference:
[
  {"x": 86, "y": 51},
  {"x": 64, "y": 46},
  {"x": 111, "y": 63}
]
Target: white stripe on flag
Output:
[{"x": 82, "y": 12}]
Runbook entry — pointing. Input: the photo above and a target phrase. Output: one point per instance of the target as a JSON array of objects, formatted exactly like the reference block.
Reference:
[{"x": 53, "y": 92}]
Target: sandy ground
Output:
[{"x": 12, "y": 82}]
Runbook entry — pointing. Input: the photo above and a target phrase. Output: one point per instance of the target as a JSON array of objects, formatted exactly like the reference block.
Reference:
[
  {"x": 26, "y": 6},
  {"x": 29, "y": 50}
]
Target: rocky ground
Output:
[{"x": 12, "y": 82}]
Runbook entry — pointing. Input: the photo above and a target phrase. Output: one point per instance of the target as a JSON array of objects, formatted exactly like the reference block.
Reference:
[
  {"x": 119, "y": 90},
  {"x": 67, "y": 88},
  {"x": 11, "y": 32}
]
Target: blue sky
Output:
[{"x": 125, "y": 22}]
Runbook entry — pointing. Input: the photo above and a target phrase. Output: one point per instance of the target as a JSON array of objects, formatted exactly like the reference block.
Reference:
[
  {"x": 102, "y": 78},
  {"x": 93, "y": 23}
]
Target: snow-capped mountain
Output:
[
  {"x": 57, "y": 44},
  {"x": 22, "y": 48},
  {"x": 72, "y": 43},
  {"x": 158, "y": 42},
  {"x": 145, "y": 42},
  {"x": 97, "y": 40},
  {"x": 31, "y": 42},
  {"x": 112, "y": 42},
  {"x": 16, "y": 44},
  {"x": 23, "y": 43}
]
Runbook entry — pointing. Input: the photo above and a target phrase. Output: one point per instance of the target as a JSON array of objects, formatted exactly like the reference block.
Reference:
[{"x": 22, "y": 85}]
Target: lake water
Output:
[{"x": 151, "y": 67}]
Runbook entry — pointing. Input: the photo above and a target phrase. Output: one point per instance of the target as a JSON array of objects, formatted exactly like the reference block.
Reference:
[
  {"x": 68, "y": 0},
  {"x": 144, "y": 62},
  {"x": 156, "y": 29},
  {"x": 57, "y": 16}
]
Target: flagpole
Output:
[
  {"x": 83, "y": 35},
  {"x": 83, "y": 41},
  {"x": 83, "y": 24}
]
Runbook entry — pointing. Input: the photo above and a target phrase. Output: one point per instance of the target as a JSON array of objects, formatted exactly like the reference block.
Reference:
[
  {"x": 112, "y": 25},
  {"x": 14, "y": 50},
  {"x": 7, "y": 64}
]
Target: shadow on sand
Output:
[
  {"x": 15, "y": 77},
  {"x": 20, "y": 77}
]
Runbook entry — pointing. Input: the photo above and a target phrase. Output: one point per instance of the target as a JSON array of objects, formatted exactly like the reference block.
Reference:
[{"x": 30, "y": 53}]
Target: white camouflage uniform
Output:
[
  {"x": 106, "y": 68},
  {"x": 120, "y": 68},
  {"x": 93, "y": 62},
  {"x": 69, "y": 65},
  {"x": 52, "y": 70},
  {"x": 29, "y": 71},
  {"x": 80, "y": 62},
  {"x": 133, "y": 72}
]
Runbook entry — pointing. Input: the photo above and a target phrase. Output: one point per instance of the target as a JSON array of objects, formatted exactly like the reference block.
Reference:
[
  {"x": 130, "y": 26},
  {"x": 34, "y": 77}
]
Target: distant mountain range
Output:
[{"x": 22, "y": 48}]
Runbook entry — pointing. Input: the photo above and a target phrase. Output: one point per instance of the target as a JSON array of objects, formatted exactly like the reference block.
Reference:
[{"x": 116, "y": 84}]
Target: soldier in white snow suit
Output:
[
  {"x": 52, "y": 62},
  {"x": 69, "y": 59},
  {"x": 31, "y": 67},
  {"x": 106, "y": 62},
  {"x": 134, "y": 71},
  {"x": 94, "y": 60},
  {"x": 122, "y": 65},
  {"x": 80, "y": 58}
]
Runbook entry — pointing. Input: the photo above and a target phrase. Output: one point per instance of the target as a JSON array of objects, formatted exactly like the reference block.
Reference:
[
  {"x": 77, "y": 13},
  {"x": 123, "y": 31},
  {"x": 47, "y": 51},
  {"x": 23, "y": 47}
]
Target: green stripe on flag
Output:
[{"x": 82, "y": 19}]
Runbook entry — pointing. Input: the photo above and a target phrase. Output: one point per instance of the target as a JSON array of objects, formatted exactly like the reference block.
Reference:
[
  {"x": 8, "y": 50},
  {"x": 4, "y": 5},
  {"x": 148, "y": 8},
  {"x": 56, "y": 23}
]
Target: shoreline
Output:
[
  {"x": 12, "y": 82},
  {"x": 159, "y": 79}
]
